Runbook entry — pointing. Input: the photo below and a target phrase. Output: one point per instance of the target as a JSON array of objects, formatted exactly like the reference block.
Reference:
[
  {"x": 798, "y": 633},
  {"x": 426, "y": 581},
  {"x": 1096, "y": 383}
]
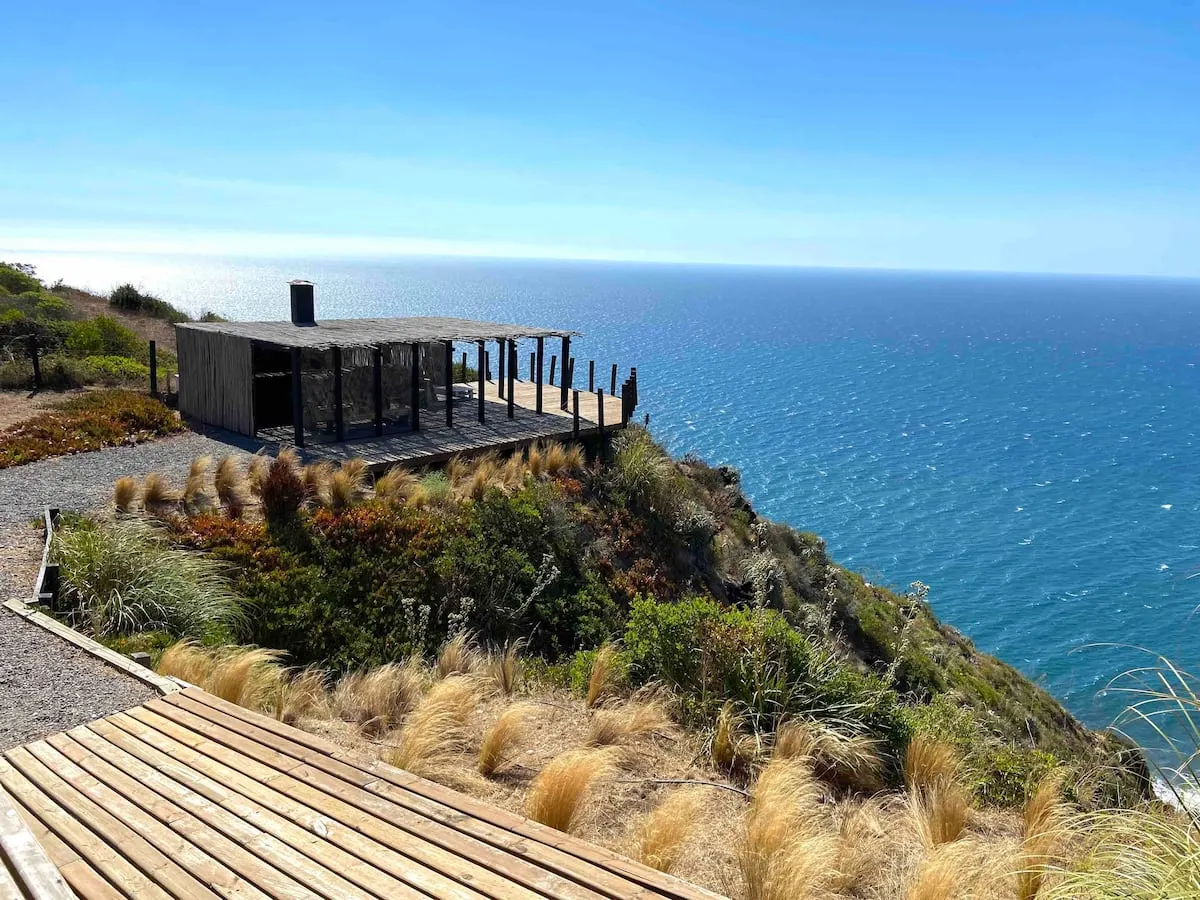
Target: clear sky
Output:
[{"x": 1041, "y": 135}]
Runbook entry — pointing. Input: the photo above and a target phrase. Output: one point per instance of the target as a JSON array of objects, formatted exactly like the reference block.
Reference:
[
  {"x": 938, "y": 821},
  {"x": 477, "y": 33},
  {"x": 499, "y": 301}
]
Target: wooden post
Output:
[
  {"x": 512, "y": 375},
  {"x": 502, "y": 355},
  {"x": 449, "y": 384},
  {"x": 339, "y": 409},
  {"x": 633, "y": 386},
  {"x": 532, "y": 369},
  {"x": 575, "y": 414},
  {"x": 37, "y": 363},
  {"x": 377, "y": 387},
  {"x": 487, "y": 365},
  {"x": 591, "y": 376},
  {"x": 154, "y": 369},
  {"x": 297, "y": 399},
  {"x": 566, "y": 372},
  {"x": 479, "y": 375},
  {"x": 612, "y": 388},
  {"x": 464, "y": 368},
  {"x": 541, "y": 355},
  {"x": 626, "y": 396},
  {"x": 600, "y": 408},
  {"x": 414, "y": 387},
  {"x": 553, "y": 361}
]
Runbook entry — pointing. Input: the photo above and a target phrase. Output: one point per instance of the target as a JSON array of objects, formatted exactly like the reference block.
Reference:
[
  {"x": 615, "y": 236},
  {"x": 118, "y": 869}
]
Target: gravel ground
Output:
[{"x": 47, "y": 684}]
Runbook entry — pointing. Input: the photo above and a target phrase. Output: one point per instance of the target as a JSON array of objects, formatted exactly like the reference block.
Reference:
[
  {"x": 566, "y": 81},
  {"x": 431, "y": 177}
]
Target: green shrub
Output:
[
  {"x": 104, "y": 336},
  {"x": 16, "y": 374},
  {"x": 115, "y": 370},
  {"x": 753, "y": 657},
  {"x": 17, "y": 278},
  {"x": 641, "y": 470},
  {"x": 129, "y": 298},
  {"x": 123, "y": 577}
]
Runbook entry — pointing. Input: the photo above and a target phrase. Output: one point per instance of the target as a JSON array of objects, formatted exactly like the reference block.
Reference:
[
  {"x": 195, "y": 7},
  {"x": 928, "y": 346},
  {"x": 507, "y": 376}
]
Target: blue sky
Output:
[{"x": 1035, "y": 136}]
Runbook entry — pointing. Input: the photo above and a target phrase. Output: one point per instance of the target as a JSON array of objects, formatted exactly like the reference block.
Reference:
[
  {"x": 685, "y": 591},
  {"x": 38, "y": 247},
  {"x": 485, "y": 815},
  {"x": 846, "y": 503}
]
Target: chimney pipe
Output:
[{"x": 302, "y": 302}]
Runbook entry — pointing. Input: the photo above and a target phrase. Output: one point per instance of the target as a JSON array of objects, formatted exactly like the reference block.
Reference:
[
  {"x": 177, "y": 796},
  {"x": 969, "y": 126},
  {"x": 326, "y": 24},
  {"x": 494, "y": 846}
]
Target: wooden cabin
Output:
[{"x": 309, "y": 382}]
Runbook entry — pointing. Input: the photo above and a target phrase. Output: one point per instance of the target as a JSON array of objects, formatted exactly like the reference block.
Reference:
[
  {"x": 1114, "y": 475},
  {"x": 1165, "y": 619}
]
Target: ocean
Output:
[{"x": 1025, "y": 445}]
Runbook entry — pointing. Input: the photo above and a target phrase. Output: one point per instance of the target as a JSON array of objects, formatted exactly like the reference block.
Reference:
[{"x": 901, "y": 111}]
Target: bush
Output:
[
  {"x": 104, "y": 336},
  {"x": 17, "y": 278},
  {"x": 95, "y": 420},
  {"x": 753, "y": 657},
  {"x": 115, "y": 370},
  {"x": 129, "y": 298},
  {"x": 123, "y": 577}
]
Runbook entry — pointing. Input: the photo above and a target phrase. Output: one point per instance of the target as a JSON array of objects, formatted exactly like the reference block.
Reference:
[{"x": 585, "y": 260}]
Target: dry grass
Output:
[
  {"x": 316, "y": 483},
  {"x": 938, "y": 878},
  {"x": 157, "y": 494},
  {"x": 230, "y": 485},
  {"x": 1042, "y": 830},
  {"x": 784, "y": 852},
  {"x": 617, "y": 725},
  {"x": 247, "y": 676},
  {"x": 928, "y": 763},
  {"x": 851, "y": 762},
  {"x": 732, "y": 751},
  {"x": 606, "y": 670},
  {"x": 125, "y": 490},
  {"x": 501, "y": 740},
  {"x": 304, "y": 695},
  {"x": 396, "y": 485},
  {"x": 256, "y": 473},
  {"x": 560, "y": 788},
  {"x": 662, "y": 834},
  {"x": 940, "y": 812},
  {"x": 378, "y": 699},
  {"x": 558, "y": 459},
  {"x": 436, "y": 727},
  {"x": 348, "y": 484},
  {"x": 458, "y": 656},
  {"x": 195, "y": 493},
  {"x": 506, "y": 668},
  {"x": 535, "y": 461}
]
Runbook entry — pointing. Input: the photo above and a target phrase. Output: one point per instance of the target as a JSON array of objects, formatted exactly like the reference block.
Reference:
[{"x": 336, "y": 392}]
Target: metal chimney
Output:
[{"x": 302, "y": 302}]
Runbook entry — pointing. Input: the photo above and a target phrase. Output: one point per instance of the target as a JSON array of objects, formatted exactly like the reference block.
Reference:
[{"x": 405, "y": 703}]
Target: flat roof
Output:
[{"x": 328, "y": 333}]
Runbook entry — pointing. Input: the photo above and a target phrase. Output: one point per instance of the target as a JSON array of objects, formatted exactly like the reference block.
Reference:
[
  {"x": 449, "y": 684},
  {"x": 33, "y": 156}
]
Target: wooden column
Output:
[
  {"x": 591, "y": 375},
  {"x": 553, "y": 363},
  {"x": 154, "y": 369},
  {"x": 600, "y": 408},
  {"x": 37, "y": 363},
  {"x": 479, "y": 375},
  {"x": 532, "y": 366},
  {"x": 339, "y": 413},
  {"x": 512, "y": 375},
  {"x": 377, "y": 387},
  {"x": 541, "y": 355},
  {"x": 502, "y": 354},
  {"x": 575, "y": 414},
  {"x": 415, "y": 385},
  {"x": 449, "y": 384},
  {"x": 464, "y": 367},
  {"x": 297, "y": 400},
  {"x": 612, "y": 388},
  {"x": 566, "y": 372}
]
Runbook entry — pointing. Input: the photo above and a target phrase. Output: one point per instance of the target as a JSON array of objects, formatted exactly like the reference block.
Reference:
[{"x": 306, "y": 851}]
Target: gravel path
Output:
[{"x": 47, "y": 684}]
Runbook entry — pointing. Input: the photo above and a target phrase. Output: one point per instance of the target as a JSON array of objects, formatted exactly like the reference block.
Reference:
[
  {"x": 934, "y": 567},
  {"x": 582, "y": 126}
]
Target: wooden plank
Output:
[
  {"x": 599, "y": 872},
  {"x": 444, "y": 852},
  {"x": 25, "y": 857},
  {"x": 403, "y": 863},
  {"x": 8, "y": 884},
  {"x": 84, "y": 880},
  {"x": 90, "y": 845},
  {"x": 221, "y": 786},
  {"x": 186, "y": 867},
  {"x": 200, "y": 823}
]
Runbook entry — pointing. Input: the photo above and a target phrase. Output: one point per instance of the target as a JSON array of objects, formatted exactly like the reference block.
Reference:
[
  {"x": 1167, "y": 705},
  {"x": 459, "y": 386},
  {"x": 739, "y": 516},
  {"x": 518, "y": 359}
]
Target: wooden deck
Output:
[
  {"x": 189, "y": 796},
  {"x": 436, "y": 443}
]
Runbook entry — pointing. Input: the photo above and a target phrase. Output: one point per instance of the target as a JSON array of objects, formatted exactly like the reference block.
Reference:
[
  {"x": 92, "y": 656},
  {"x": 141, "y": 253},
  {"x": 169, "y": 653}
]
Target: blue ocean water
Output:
[{"x": 1023, "y": 444}]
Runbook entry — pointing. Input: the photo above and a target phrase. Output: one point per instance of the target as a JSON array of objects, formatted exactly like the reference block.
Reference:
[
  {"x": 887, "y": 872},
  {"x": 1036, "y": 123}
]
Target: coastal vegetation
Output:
[{"x": 627, "y": 651}]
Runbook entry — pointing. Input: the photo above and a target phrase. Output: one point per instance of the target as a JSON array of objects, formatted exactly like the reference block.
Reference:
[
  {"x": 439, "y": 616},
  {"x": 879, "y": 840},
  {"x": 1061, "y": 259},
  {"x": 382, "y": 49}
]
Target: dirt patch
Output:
[
  {"x": 17, "y": 406},
  {"x": 91, "y": 305}
]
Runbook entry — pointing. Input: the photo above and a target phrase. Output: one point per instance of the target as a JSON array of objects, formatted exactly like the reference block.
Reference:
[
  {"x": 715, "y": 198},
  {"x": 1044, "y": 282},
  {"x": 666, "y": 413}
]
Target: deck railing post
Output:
[
  {"x": 633, "y": 386},
  {"x": 464, "y": 368},
  {"x": 591, "y": 376},
  {"x": 532, "y": 366},
  {"x": 479, "y": 376},
  {"x": 297, "y": 400},
  {"x": 37, "y": 363},
  {"x": 416, "y": 383},
  {"x": 512, "y": 375},
  {"x": 566, "y": 372},
  {"x": 449, "y": 384},
  {"x": 541, "y": 355},
  {"x": 600, "y": 412},
  {"x": 487, "y": 364},
  {"x": 501, "y": 355},
  {"x": 154, "y": 369},
  {"x": 553, "y": 361},
  {"x": 626, "y": 395},
  {"x": 612, "y": 388},
  {"x": 339, "y": 414},
  {"x": 377, "y": 387},
  {"x": 575, "y": 414}
]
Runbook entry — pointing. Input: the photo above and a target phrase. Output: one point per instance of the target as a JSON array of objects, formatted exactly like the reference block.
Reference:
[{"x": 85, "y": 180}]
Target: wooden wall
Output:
[{"x": 216, "y": 379}]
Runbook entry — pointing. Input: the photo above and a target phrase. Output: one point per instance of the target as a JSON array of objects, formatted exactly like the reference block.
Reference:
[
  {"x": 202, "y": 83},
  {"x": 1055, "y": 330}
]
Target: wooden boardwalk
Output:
[
  {"x": 436, "y": 443},
  {"x": 190, "y": 796}
]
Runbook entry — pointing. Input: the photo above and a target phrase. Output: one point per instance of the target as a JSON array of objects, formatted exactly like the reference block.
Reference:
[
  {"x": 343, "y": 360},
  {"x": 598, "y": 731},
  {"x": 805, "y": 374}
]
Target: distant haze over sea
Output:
[{"x": 1026, "y": 445}]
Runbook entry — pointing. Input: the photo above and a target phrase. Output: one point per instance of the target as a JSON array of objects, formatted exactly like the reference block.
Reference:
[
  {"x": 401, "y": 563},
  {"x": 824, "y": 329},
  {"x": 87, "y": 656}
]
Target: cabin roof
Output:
[{"x": 328, "y": 333}]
